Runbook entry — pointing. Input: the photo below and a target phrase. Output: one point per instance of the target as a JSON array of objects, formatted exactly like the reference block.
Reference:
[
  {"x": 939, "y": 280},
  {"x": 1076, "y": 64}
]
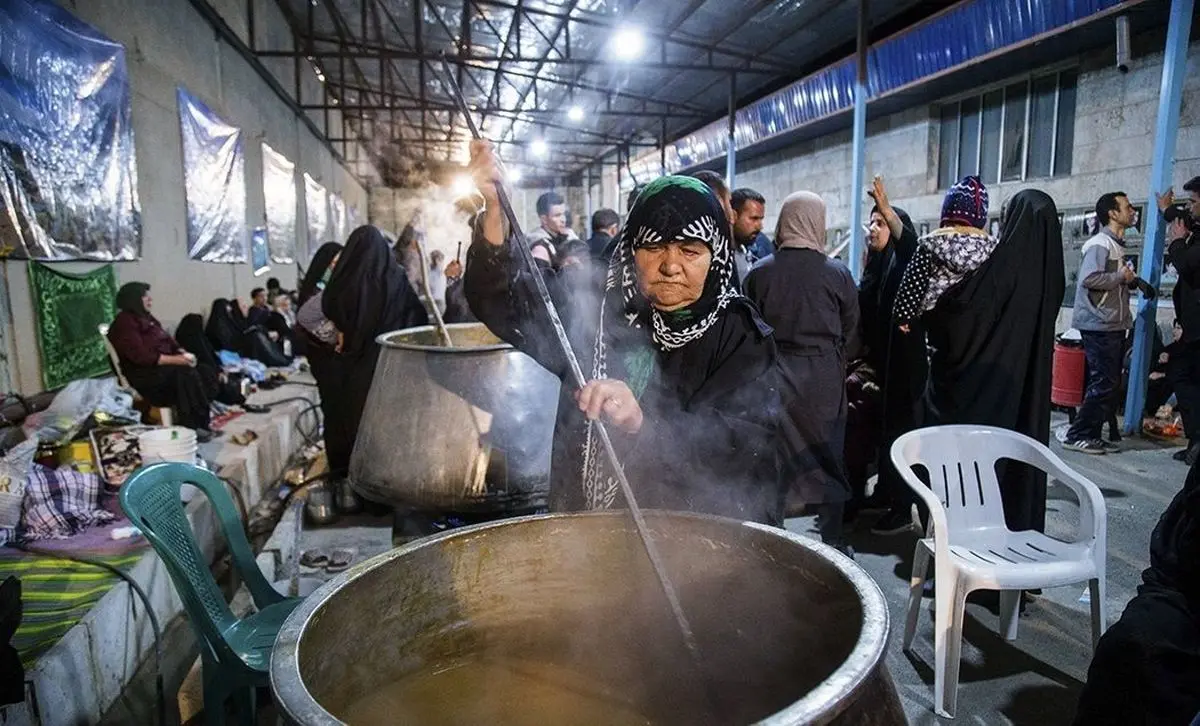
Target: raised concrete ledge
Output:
[{"x": 80, "y": 678}]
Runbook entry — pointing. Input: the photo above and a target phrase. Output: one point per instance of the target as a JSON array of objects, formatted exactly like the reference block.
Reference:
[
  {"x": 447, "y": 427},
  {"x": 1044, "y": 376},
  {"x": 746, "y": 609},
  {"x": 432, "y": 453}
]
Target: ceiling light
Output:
[
  {"x": 575, "y": 113},
  {"x": 539, "y": 148},
  {"x": 628, "y": 43},
  {"x": 463, "y": 186},
  {"x": 514, "y": 175}
]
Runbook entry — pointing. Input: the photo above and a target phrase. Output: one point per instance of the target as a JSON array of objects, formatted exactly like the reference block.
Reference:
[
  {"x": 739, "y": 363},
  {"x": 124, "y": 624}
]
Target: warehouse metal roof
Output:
[{"x": 582, "y": 77}]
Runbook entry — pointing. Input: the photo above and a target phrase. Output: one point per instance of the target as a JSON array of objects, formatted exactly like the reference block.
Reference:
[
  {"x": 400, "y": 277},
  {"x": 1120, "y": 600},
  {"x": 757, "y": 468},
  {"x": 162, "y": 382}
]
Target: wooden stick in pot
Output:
[{"x": 443, "y": 331}]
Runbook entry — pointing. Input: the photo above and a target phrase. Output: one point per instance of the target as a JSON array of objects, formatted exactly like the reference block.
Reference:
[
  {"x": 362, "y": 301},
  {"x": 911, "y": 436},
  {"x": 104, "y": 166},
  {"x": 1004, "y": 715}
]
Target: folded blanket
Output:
[{"x": 60, "y": 503}]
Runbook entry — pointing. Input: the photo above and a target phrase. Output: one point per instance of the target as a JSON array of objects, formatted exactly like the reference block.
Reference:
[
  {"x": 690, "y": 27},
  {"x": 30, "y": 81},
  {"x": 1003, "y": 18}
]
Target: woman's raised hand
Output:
[{"x": 485, "y": 169}]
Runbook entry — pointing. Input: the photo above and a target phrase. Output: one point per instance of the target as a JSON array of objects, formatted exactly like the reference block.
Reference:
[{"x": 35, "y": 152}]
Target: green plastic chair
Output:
[{"x": 235, "y": 653}]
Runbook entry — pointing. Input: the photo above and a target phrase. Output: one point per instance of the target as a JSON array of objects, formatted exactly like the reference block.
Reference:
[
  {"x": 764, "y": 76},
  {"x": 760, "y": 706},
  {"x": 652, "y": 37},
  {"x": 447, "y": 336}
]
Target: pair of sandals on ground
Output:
[{"x": 331, "y": 561}]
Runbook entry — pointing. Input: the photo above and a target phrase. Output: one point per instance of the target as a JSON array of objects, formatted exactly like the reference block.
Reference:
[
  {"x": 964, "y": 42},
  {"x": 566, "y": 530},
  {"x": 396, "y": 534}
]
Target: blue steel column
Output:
[
  {"x": 731, "y": 141},
  {"x": 1169, "y": 101},
  {"x": 857, "y": 183},
  {"x": 588, "y": 206}
]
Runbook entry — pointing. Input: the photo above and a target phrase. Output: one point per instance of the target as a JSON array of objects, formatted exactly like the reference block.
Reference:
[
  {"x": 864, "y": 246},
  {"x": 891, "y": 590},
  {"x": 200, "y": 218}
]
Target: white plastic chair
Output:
[{"x": 972, "y": 547}]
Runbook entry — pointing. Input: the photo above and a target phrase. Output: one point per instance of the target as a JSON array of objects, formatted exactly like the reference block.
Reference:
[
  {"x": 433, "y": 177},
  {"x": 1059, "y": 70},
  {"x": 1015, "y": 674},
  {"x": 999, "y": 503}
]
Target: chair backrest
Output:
[
  {"x": 961, "y": 461},
  {"x": 112, "y": 356},
  {"x": 151, "y": 500}
]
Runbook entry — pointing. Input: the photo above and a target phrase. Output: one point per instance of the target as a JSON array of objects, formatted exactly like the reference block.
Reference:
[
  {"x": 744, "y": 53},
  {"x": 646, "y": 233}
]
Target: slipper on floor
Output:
[
  {"x": 244, "y": 438},
  {"x": 314, "y": 558},
  {"x": 339, "y": 560}
]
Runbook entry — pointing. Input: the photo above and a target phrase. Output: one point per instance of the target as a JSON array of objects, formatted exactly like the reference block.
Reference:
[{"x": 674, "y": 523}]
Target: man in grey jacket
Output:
[{"x": 1103, "y": 317}]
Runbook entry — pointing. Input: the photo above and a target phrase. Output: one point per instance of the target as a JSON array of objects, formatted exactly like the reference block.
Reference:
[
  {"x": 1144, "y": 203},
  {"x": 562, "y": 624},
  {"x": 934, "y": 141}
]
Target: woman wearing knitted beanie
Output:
[
  {"x": 948, "y": 254},
  {"x": 990, "y": 328}
]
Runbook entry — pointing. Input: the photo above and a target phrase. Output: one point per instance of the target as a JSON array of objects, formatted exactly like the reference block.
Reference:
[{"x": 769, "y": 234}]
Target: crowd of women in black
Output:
[
  {"x": 348, "y": 296},
  {"x": 184, "y": 372}
]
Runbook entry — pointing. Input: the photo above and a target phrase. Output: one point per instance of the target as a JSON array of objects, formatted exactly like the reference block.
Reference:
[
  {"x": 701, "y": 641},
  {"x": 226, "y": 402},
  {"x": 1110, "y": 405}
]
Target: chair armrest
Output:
[
  {"x": 1093, "y": 511},
  {"x": 937, "y": 511}
]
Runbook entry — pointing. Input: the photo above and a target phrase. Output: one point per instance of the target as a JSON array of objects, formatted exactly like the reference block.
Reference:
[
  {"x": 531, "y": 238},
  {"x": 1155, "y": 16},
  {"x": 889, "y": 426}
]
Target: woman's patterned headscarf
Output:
[
  {"x": 668, "y": 209},
  {"x": 672, "y": 209}
]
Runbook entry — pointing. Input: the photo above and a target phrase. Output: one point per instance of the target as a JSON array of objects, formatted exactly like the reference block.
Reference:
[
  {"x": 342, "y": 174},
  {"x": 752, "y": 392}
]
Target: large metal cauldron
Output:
[
  {"x": 463, "y": 429},
  {"x": 790, "y": 631}
]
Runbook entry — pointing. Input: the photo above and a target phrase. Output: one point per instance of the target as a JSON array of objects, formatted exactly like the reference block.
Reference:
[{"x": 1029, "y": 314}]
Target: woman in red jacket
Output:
[{"x": 155, "y": 365}]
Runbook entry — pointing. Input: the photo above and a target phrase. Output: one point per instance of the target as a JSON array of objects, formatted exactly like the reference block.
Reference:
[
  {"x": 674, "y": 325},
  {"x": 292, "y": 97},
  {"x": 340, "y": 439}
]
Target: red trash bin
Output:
[{"x": 1067, "y": 382}]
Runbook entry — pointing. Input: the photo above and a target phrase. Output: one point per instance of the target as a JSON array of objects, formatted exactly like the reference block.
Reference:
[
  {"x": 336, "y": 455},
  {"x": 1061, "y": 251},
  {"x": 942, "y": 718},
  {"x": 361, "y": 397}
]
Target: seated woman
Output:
[
  {"x": 279, "y": 323},
  {"x": 155, "y": 365},
  {"x": 191, "y": 337},
  {"x": 1146, "y": 667},
  {"x": 229, "y": 329},
  {"x": 680, "y": 364},
  {"x": 225, "y": 325}
]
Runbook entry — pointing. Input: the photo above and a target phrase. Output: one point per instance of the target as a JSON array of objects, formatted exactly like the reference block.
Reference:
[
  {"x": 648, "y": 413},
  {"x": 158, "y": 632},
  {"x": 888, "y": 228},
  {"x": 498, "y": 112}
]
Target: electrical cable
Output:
[
  {"x": 13, "y": 395},
  {"x": 312, "y": 440},
  {"x": 159, "y": 688},
  {"x": 289, "y": 399}
]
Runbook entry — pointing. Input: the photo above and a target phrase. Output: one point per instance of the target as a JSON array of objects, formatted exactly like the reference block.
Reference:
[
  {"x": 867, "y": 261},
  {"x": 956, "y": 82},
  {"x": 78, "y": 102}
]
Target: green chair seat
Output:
[{"x": 252, "y": 637}]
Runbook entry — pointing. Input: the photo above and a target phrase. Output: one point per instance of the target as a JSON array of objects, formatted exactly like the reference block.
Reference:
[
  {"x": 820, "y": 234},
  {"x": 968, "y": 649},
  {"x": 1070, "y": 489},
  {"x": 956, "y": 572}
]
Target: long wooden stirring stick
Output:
[
  {"x": 560, "y": 333},
  {"x": 437, "y": 314}
]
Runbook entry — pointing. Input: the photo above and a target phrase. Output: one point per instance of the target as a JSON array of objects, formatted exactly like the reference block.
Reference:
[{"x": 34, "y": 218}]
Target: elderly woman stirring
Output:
[{"x": 681, "y": 366}]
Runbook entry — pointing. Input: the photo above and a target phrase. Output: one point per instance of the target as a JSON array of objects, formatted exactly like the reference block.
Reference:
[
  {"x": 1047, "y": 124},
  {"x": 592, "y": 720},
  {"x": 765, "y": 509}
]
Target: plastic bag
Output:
[
  {"x": 234, "y": 363},
  {"x": 74, "y": 404},
  {"x": 14, "y": 469}
]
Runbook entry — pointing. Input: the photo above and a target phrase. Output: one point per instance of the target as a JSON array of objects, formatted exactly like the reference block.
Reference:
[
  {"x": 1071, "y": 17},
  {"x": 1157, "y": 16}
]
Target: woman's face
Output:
[
  {"x": 879, "y": 233},
  {"x": 147, "y": 301},
  {"x": 672, "y": 275}
]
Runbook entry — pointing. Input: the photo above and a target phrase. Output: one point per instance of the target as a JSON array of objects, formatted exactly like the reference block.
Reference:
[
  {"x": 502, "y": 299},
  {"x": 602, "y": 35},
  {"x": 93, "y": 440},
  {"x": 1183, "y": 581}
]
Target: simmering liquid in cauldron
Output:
[{"x": 497, "y": 692}]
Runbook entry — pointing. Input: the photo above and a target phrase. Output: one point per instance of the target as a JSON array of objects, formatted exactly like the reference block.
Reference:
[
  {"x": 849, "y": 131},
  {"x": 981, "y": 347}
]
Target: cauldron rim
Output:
[
  {"x": 384, "y": 339},
  {"x": 820, "y": 705}
]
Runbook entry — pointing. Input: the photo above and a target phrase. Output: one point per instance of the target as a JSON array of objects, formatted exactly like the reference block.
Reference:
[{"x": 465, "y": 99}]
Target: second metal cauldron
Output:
[
  {"x": 464, "y": 429},
  {"x": 791, "y": 632}
]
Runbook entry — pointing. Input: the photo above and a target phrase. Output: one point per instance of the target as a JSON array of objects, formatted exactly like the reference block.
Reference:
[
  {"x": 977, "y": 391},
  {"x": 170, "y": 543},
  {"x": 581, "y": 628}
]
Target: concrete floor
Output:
[
  {"x": 1037, "y": 678},
  {"x": 1034, "y": 680}
]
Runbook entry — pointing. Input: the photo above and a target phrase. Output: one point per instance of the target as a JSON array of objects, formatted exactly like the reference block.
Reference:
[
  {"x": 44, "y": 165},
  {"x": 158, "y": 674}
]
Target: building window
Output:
[{"x": 1024, "y": 130}]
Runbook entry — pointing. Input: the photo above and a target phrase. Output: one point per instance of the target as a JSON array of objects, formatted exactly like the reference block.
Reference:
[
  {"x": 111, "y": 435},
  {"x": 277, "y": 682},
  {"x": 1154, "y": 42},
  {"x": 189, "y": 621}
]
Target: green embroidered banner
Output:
[{"x": 69, "y": 311}]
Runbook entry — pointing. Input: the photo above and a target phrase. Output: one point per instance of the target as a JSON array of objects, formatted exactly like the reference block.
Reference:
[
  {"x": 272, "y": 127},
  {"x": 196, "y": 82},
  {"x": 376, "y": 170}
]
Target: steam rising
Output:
[{"x": 445, "y": 225}]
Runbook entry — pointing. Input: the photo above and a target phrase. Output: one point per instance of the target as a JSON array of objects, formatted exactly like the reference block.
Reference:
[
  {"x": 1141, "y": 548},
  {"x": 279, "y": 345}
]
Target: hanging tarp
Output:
[
  {"x": 68, "y": 311},
  {"x": 316, "y": 208},
  {"x": 214, "y": 176},
  {"x": 259, "y": 257},
  {"x": 68, "y": 179},
  {"x": 279, "y": 193},
  {"x": 337, "y": 217}
]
